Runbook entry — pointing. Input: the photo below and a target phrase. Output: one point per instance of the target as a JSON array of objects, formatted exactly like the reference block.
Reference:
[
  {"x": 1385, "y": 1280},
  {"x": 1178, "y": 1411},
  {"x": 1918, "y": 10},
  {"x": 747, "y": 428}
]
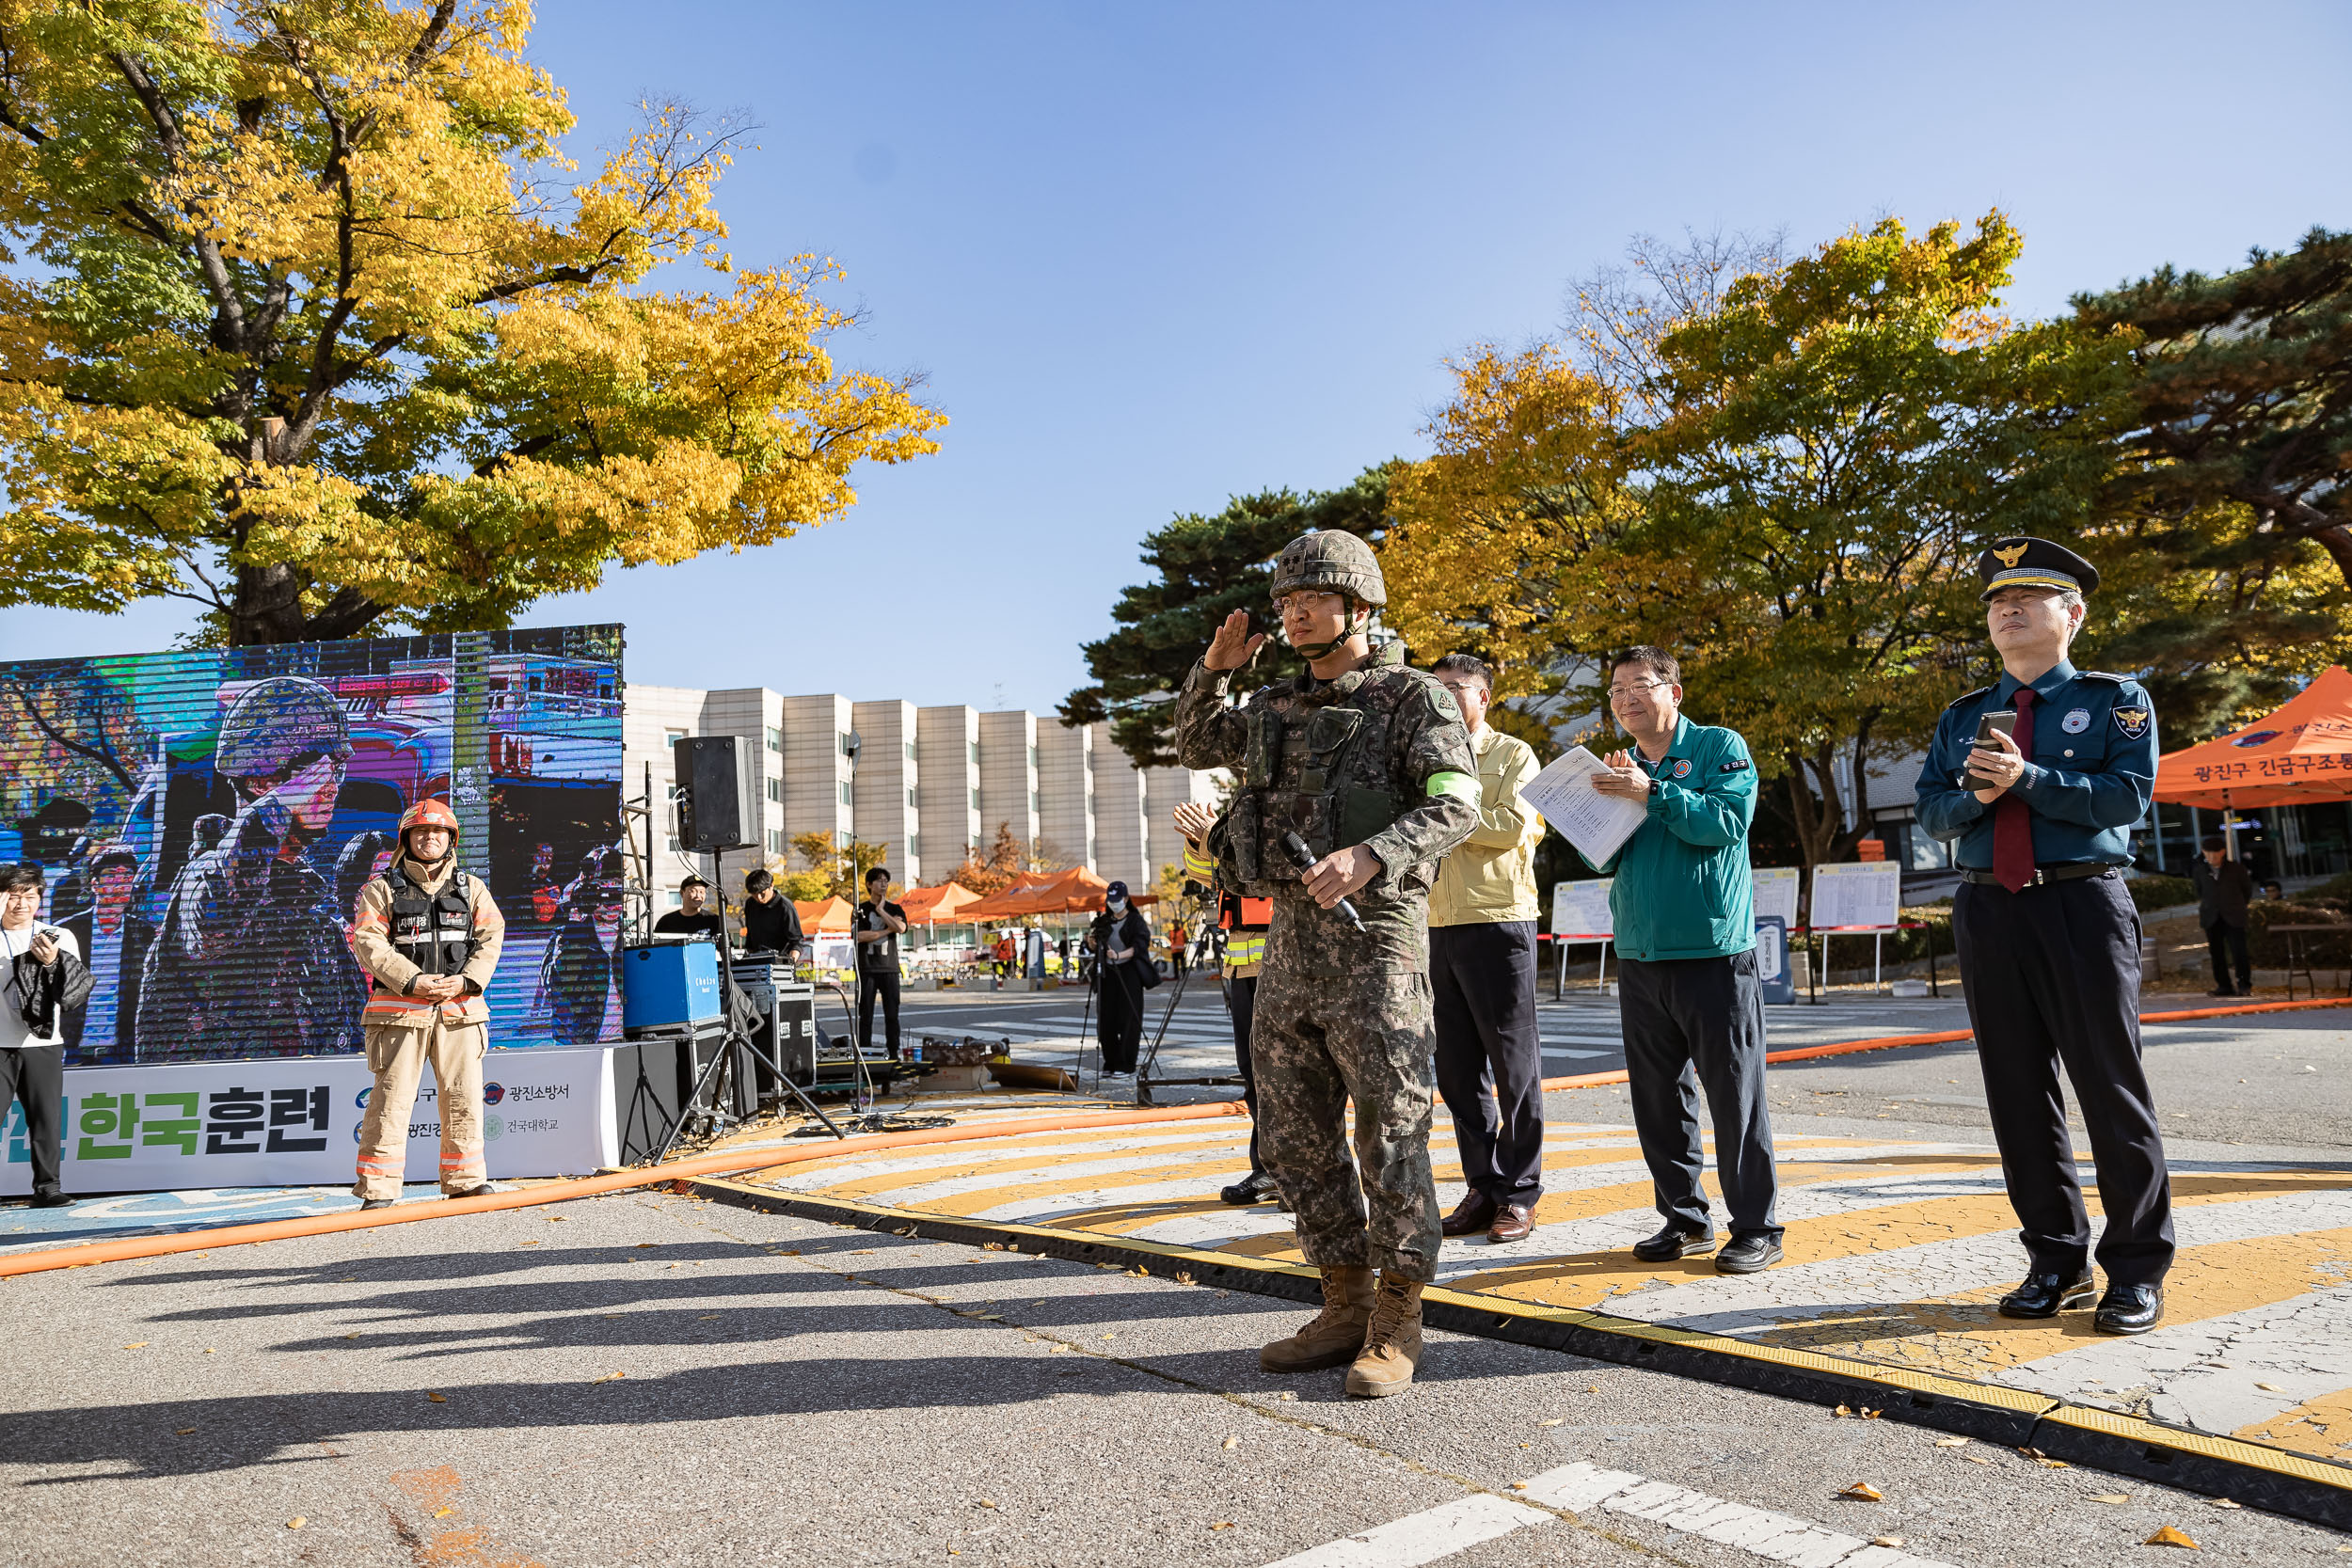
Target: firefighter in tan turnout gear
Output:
[
  {"x": 428, "y": 935},
  {"x": 1367, "y": 762}
]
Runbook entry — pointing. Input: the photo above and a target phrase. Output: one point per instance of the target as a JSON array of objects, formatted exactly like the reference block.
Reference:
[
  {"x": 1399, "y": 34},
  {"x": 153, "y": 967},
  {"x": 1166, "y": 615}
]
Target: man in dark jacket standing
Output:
[{"x": 2224, "y": 888}]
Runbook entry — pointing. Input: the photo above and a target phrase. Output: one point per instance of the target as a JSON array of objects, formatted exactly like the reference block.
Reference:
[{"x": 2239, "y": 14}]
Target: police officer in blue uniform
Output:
[{"x": 2049, "y": 940}]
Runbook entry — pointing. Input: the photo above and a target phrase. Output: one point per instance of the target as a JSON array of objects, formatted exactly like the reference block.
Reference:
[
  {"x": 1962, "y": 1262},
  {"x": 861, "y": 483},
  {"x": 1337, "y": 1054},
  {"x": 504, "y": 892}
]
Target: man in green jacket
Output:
[{"x": 1692, "y": 1012}]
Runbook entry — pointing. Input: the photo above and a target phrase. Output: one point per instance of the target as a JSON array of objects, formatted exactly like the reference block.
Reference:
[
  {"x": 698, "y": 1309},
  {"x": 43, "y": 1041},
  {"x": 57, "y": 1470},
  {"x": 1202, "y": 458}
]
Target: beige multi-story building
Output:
[{"x": 929, "y": 784}]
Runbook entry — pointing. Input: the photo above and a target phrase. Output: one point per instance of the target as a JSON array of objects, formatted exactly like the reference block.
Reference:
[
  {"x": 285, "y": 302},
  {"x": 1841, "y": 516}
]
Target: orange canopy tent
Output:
[
  {"x": 2301, "y": 753},
  {"x": 1075, "y": 891},
  {"x": 826, "y": 914},
  {"x": 925, "y": 905}
]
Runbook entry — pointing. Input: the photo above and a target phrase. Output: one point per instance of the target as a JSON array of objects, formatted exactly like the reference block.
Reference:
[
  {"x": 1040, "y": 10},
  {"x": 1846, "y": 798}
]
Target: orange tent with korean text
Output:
[{"x": 2301, "y": 753}]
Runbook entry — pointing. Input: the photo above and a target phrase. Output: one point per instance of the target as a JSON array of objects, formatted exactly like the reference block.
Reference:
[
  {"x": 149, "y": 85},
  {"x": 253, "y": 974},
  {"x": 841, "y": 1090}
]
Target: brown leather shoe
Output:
[
  {"x": 1472, "y": 1214},
  {"x": 1392, "y": 1341},
  {"x": 1514, "y": 1224},
  {"x": 1337, "y": 1334}
]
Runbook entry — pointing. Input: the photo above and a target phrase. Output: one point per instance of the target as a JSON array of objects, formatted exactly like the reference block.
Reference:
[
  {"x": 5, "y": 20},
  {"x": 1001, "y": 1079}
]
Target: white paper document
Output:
[
  {"x": 1857, "y": 896},
  {"x": 1564, "y": 796}
]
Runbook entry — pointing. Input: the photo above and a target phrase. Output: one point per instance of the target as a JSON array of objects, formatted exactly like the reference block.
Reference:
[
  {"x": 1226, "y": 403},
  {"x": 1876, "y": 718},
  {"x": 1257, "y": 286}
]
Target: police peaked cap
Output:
[{"x": 2033, "y": 563}]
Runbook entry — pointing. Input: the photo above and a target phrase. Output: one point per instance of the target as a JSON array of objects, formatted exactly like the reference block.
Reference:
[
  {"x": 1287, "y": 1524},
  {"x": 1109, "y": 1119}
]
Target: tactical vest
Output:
[
  {"x": 1326, "y": 808},
  {"x": 432, "y": 930}
]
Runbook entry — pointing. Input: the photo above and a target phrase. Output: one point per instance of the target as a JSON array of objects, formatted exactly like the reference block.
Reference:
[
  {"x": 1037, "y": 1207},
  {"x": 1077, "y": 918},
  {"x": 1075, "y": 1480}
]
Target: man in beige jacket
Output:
[
  {"x": 1482, "y": 968},
  {"x": 428, "y": 935}
]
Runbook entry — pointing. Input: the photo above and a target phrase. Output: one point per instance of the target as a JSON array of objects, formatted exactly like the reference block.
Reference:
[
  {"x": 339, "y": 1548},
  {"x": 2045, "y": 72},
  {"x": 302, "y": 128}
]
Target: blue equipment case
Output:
[{"x": 668, "y": 985}]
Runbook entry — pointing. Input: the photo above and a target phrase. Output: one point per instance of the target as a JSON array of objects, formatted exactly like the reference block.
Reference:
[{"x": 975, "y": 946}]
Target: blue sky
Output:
[{"x": 1153, "y": 256}]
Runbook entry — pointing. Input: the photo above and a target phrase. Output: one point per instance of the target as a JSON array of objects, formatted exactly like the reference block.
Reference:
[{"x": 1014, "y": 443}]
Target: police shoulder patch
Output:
[
  {"x": 2132, "y": 721},
  {"x": 1966, "y": 697}
]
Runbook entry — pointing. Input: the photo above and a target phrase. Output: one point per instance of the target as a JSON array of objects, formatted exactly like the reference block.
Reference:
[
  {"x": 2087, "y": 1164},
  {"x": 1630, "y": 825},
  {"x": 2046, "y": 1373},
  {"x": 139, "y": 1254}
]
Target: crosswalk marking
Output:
[
  {"x": 1425, "y": 1537},
  {"x": 1436, "y": 1533}
]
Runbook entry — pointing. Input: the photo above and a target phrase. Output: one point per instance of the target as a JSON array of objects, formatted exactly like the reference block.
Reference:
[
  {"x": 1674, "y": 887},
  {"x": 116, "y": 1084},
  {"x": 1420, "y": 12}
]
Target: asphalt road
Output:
[{"x": 654, "y": 1380}]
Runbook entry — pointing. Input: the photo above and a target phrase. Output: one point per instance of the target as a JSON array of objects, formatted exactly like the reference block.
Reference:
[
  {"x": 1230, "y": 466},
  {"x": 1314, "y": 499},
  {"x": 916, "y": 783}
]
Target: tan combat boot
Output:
[
  {"x": 1392, "y": 1343},
  {"x": 1337, "y": 1332}
]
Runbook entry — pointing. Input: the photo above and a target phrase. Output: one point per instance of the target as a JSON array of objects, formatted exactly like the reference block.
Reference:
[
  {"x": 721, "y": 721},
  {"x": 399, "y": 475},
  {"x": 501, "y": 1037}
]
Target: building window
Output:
[
  {"x": 910, "y": 750},
  {"x": 671, "y": 737},
  {"x": 974, "y": 846},
  {"x": 976, "y": 753},
  {"x": 845, "y": 792},
  {"x": 1033, "y": 805},
  {"x": 844, "y": 737},
  {"x": 914, "y": 846},
  {"x": 976, "y": 800},
  {"x": 776, "y": 790},
  {"x": 675, "y": 898},
  {"x": 775, "y": 740},
  {"x": 775, "y": 841},
  {"x": 910, "y": 800},
  {"x": 1033, "y": 759}
]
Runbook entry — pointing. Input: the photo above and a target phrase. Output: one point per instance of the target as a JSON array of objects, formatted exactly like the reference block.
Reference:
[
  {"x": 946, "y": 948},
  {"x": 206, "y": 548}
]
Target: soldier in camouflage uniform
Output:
[{"x": 1369, "y": 763}]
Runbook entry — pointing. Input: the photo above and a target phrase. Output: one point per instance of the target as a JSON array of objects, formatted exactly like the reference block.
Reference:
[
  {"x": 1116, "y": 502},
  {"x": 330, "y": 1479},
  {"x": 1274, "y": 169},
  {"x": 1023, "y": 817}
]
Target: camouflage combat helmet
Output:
[
  {"x": 278, "y": 722},
  {"x": 1333, "y": 559}
]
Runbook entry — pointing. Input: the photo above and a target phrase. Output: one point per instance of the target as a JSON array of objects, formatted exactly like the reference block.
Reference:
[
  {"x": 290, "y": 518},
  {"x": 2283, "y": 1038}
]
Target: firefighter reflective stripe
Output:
[
  {"x": 1244, "y": 949},
  {"x": 1462, "y": 787},
  {"x": 1197, "y": 866}
]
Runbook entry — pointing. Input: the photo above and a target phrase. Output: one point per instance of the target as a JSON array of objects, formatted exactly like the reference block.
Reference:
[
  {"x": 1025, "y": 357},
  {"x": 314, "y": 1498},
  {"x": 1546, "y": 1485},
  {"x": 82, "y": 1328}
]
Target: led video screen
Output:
[{"x": 206, "y": 819}]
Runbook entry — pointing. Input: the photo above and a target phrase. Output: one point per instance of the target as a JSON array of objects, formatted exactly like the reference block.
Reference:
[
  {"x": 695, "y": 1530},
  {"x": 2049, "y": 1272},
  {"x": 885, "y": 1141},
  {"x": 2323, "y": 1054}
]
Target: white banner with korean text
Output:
[{"x": 294, "y": 1122}]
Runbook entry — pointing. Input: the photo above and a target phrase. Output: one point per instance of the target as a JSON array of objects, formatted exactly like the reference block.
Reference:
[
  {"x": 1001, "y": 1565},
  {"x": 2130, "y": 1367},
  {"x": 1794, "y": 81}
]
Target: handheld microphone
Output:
[{"x": 1303, "y": 858}]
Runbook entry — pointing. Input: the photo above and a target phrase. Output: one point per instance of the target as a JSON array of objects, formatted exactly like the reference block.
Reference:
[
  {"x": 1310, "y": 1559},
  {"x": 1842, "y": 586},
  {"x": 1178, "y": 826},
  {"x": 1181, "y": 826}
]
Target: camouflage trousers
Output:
[{"x": 1316, "y": 1042}]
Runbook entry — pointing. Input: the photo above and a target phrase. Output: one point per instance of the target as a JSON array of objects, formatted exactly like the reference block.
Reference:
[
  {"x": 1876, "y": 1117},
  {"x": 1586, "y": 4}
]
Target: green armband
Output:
[{"x": 1462, "y": 787}]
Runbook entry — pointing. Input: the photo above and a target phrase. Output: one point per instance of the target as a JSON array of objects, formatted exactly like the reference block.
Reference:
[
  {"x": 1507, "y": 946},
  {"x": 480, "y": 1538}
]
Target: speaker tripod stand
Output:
[{"x": 714, "y": 1117}]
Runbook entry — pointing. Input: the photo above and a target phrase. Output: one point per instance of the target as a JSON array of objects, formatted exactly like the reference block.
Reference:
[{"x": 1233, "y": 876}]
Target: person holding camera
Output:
[
  {"x": 42, "y": 974},
  {"x": 876, "y": 930},
  {"x": 2040, "y": 777},
  {"x": 429, "y": 936},
  {"x": 1120, "y": 939}
]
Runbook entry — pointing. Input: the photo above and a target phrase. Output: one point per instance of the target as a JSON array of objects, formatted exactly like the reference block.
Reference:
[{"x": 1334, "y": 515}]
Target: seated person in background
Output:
[
  {"x": 689, "y": 918},
  {"x": 770, "y": 923}
]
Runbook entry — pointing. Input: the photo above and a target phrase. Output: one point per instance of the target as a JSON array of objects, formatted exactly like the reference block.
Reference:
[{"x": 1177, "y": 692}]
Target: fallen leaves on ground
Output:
[
  {"x": 438, "y": 1399},
  {"x": 2224, "y": 1502},
  {"x": 1554, "y": 1423},
  {"x": 1887, "y": 1541},
  {"x": 609, "y": 1377},
  {"x": 1221, "y": 1524},
  {"x": 1232, "y": 1442},
  {"x": 296, "y": 1522},
  {"x": 2110, "y": 1496},
  {"x": 136, "y": 1344},
  {"x": 1862, "y": 1492},
  {"x": 2167, "y": 1536},
  {"x": 1951, "y": 1442},
  {"x": 184, "y": 1432}
]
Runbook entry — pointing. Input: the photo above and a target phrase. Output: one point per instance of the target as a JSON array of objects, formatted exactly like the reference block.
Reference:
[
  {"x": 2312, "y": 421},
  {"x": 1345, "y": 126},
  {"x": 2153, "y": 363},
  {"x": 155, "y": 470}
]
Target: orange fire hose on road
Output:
[
  {"x": 1946, "y": 1037},
  {"x": 559, "y": 1192}
]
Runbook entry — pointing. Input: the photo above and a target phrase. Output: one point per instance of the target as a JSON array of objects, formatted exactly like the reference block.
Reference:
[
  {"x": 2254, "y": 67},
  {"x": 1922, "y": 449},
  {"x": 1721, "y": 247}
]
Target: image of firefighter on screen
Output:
[{"x": 207, "y": 819}]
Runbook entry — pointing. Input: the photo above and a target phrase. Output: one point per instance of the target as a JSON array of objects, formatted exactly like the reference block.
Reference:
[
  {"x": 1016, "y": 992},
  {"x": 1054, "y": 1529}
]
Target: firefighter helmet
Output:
[
  {"x": 428, "y": 813},
  {"x": 1331, "y": 558},
  {"x": 277, "y": 724}
]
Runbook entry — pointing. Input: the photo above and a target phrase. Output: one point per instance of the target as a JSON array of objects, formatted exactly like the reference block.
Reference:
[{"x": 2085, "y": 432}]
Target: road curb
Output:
[{"x": 2315, "y": 1490}]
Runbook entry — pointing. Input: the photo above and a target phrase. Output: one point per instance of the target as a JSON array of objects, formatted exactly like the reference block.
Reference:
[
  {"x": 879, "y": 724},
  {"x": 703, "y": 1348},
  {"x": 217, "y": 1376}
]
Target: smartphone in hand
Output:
[{"x": 2002, "y": 721}]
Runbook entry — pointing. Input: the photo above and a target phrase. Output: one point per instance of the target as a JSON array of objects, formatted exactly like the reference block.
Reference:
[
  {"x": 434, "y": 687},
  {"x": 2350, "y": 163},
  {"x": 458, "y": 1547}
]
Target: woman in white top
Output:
[{"x": 34, "y": 957}]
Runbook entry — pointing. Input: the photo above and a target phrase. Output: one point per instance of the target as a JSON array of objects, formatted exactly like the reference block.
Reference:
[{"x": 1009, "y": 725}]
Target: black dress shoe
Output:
[
  {"x": 368, "y": 1203},
  {"x": 1749, "y": 1254},
  {"x": 1255, "y": 1187},
  {"x": 1472, "y": 1214},
  {"x": 2045, "y": 1295},
  {"x": 2220, "y": 992},
  {"x": 2129, "y": 1309},
  {"x": 52, "y": 1200},
  {"x": 1670, "y": 1244}
]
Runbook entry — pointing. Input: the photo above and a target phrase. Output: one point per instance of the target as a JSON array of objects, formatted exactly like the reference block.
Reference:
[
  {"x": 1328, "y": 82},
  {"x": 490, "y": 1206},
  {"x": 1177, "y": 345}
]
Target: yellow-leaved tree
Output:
[{"x": 302, "y": 317}]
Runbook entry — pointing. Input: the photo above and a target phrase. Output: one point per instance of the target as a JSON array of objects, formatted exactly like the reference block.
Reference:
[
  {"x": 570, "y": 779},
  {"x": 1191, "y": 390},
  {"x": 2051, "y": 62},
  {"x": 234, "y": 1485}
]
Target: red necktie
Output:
[{"x": 2013, "y": 820}]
